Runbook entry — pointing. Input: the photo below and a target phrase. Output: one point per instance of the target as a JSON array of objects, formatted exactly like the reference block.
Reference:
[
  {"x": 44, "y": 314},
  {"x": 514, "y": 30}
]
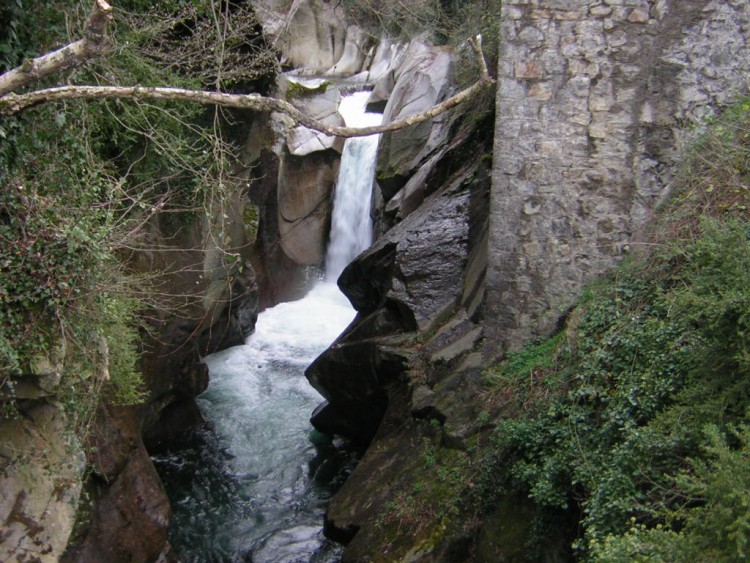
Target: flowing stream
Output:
[{"x": 253, "y": 485}]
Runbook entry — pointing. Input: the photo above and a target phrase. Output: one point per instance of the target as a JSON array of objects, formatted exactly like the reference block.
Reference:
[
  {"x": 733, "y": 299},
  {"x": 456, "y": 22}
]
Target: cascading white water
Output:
[
  {"x": 351, "y": 225},
  {"x": 256, "y": 485}
]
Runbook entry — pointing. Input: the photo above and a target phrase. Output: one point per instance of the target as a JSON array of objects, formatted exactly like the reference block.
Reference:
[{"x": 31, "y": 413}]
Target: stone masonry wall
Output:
[{"x": 594, "y": 99}]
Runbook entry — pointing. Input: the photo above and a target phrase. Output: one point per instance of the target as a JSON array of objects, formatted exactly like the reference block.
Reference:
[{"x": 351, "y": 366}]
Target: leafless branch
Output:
[
  {"x": 94, "y": 42},
  {"x": 13, "y": 103}
]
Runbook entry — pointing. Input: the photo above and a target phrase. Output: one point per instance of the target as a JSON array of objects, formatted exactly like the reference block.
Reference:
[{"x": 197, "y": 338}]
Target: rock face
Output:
[
  {"x": 214, "y": 305},
  {"x": 592, "y": 102},
  {"x": 410, "y": 355},
  {"x": 421, "y": 80},
  {"x": 410, "y": 282},
  {"x": 40, "y": 485},
  {"x": 304, "y": 207},
  {"x": 279, "y": 277},
  {"x": 310, "y": 34},
  {"x": 407, "y": 78},
  {"x": 318, "y": 99},
  {"x": 130, "y": 516}
]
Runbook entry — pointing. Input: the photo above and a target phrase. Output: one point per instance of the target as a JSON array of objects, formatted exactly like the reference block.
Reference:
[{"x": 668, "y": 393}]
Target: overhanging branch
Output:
[
  {"x": 13, "y": 103},
  {"x": 94, "y": 42},
  {"x": 73, "y": 54}
]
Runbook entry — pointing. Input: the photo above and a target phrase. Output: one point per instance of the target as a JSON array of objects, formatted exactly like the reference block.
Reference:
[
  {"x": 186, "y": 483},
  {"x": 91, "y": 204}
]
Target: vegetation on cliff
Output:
[
  {"x": 82, "y": 179},
  {"x": 624, "y": 436},
  {"x": 633, "y": 420}
]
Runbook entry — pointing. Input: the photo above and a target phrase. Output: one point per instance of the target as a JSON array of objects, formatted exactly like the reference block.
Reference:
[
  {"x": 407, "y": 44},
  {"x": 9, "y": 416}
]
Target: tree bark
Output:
[
  {"x": 12, "y": 103},
  {"x": 73, "y": 54}
]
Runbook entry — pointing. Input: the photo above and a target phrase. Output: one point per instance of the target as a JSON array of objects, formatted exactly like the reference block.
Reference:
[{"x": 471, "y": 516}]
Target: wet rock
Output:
[
  {"x": 353, "y": 377},
  {"x": 409, "y": 284},
  {"x": 417, "y": 267},
  {"x": 130, "y": 522},
  {"x": 357, "y": 423},
  {"x": 304, "y": 209},
  {"x": 418, "y": 292},
  {"x": 237, "y": 319}
]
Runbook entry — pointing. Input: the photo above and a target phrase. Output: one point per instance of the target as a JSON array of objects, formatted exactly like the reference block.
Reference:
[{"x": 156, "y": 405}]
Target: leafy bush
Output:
[
  {"x": 79, "y": 181},
  {"x": 713, "y": 521},
  {"x": 643, "y": 434},
  {"x": 59, "y": 275}
]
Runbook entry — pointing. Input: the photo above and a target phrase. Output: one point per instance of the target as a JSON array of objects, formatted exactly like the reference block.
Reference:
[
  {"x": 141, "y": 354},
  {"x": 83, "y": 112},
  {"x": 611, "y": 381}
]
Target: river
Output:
[{"x": 253, "y": 483}]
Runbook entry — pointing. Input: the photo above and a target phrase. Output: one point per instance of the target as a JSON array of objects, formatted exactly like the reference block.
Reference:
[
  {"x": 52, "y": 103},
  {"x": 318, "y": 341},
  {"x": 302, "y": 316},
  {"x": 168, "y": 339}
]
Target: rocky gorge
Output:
[{"x": 489, "y": 222}]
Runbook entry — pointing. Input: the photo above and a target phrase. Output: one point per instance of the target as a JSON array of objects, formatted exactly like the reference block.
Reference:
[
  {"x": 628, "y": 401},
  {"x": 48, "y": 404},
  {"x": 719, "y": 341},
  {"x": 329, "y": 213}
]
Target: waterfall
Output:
[
  {"x": 254, "y": 485},
  {"x": 351, "y": 225}
]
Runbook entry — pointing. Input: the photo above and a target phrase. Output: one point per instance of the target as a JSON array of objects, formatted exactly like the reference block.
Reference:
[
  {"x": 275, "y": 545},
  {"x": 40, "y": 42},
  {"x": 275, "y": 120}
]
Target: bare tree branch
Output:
[
  {"x": 476, "y": 46},
  {"x": 94, "y": 43},
  {"x": 13, "y": 103},
  {"x": 73, "y": 54}
]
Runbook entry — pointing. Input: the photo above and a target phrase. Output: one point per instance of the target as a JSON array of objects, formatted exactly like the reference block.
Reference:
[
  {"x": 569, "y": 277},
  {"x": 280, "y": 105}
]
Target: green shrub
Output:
[
  {"x": 644, "y": 438},
  {"x": 78, "y": 181},
  {"x": 712, "y": 521}
]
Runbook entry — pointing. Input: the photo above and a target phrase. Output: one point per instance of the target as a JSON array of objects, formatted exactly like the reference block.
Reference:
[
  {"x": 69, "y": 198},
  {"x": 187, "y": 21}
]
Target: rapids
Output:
[{"x": 253, "y": 484}]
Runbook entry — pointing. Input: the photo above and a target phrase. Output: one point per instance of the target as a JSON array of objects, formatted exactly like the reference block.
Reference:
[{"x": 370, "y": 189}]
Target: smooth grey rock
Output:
[
  {"x": 321, "y": 106},
  {"x": 309, "y": 33},
  {"x": 422, "y": 79},
  {"x": 303, "y": 196},
  {"x": 354, "y": 55},
  {"x": 40, "y": 485}
]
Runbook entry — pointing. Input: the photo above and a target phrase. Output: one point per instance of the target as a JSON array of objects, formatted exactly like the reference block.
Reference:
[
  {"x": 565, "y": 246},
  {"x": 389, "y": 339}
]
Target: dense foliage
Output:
[
  {"x": 634, "y": 419},
  {"x": 80, "y": 180}
]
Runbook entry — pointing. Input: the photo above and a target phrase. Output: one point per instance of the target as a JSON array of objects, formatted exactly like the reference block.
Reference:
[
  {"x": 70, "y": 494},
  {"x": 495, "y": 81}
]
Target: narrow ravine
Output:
[{"x": 254, "y": 483}]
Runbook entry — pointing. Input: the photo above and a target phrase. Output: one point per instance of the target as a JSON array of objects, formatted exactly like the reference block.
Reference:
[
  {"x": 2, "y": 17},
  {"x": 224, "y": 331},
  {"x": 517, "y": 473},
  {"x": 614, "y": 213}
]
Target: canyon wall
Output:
[
  {"x": 594, "y": 101},
  {"x": 595, "y": 104}
]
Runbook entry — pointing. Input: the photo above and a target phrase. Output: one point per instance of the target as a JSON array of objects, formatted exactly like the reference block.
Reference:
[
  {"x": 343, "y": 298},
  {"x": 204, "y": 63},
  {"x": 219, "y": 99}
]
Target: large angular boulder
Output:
[
  {"x": 406, "y": 286},
  {"x": 404, "y": 376}
]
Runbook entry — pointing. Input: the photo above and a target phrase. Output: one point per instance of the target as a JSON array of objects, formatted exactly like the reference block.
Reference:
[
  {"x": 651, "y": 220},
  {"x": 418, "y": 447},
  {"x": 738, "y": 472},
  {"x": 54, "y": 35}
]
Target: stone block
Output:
[
  {"x": 638, "y": 15},
  {"x": 531, "y": 36},
  {"x": 600, "y": 10},
  {"x": 540, "y": 91},
  {"x": 528, "y": 70},
  {"x": 600, "y": 103},
  {"x": 513, "y": 13}
]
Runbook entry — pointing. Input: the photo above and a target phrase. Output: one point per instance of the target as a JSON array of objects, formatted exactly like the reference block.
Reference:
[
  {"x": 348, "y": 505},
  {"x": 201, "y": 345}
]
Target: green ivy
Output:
[
  {"x": 76, "y": 179},
  {"x": 642, "y": 437},
  {"x": 658, "y": 352}
]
